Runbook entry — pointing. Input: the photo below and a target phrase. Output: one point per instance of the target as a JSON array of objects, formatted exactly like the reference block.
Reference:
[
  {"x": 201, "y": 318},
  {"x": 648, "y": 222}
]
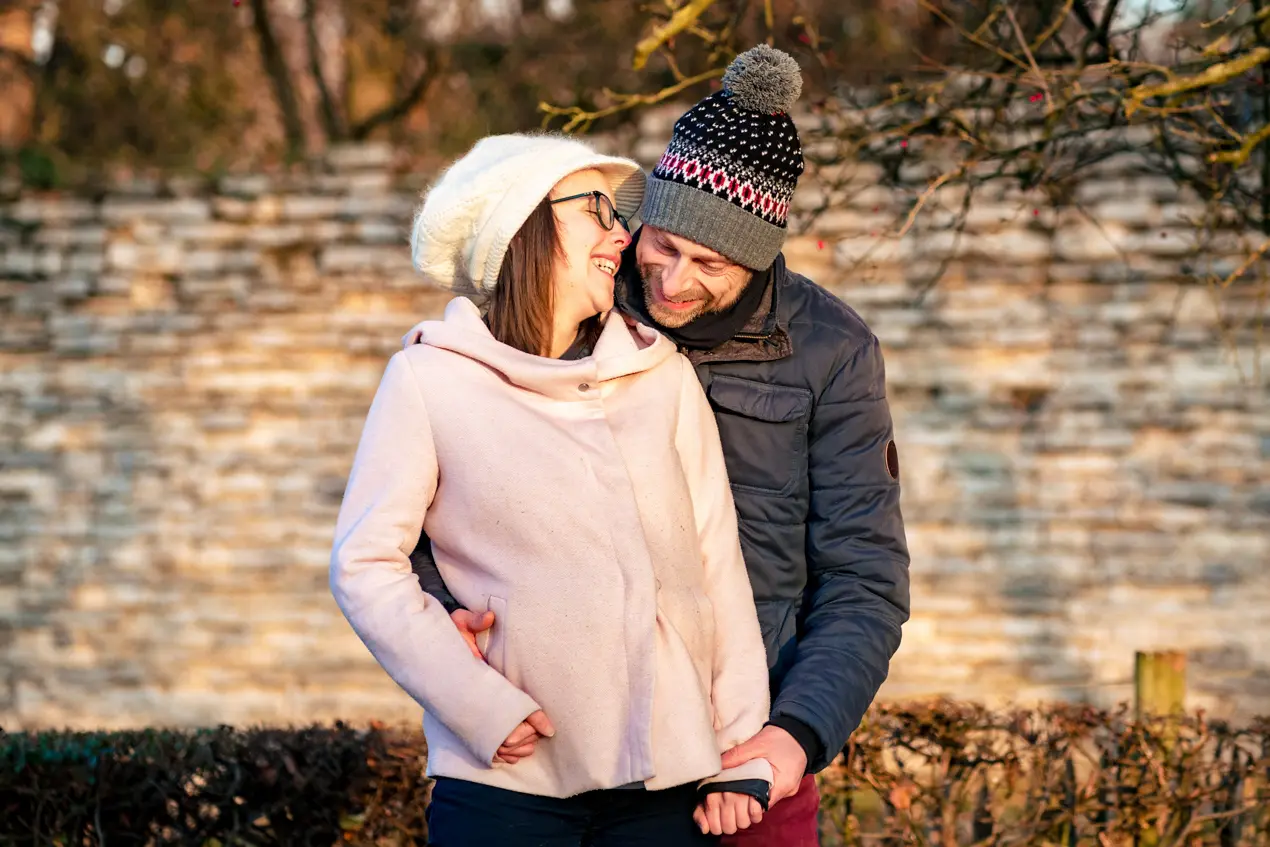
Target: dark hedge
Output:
[{"x": 933, "y": 774}]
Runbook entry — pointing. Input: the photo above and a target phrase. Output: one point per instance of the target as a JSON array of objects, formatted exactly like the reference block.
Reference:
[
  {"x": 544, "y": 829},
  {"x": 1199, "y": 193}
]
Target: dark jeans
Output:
[{"x": 468, "y": 814}]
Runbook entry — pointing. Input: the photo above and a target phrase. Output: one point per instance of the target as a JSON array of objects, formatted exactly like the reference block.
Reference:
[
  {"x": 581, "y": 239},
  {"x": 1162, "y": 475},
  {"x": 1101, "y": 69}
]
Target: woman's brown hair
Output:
[{"x": 522, "y": 306}]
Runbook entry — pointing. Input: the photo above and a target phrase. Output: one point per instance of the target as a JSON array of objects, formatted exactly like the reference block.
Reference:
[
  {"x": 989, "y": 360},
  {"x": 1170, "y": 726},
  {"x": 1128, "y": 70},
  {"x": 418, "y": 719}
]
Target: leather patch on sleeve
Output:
[{"x": 892, "y": 459}]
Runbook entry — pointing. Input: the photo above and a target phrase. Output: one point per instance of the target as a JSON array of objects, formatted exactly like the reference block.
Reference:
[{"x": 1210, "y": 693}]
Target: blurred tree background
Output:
[
  {"x": 976, "y": 92},
  {"x": 979, "y": 90},
  {"x": 944, "y": 101},
  {"x": 91, "y": 86}
]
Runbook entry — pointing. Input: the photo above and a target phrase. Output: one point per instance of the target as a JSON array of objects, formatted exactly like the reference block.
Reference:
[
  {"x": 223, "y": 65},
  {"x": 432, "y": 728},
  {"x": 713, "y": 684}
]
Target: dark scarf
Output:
[{"x": 705, "y": 332}]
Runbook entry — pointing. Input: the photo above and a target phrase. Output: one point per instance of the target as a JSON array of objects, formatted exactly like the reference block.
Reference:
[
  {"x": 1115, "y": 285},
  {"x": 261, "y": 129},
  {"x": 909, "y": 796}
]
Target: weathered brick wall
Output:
[{"x": 184, "y": 371}]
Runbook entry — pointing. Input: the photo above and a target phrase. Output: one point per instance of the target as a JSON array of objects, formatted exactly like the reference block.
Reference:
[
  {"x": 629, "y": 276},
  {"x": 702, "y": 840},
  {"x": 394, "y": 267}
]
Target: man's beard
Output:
[{"x": 650, "y": 275}]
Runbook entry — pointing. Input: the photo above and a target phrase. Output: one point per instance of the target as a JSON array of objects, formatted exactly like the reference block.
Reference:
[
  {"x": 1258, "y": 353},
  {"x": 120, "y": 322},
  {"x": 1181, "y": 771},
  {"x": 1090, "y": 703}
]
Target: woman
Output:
[{"x": 568, "y": 472}]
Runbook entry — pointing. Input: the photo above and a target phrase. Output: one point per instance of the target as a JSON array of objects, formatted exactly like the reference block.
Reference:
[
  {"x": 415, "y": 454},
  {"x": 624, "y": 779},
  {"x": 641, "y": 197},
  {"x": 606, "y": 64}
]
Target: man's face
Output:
[{"x": 683, "y": 280}]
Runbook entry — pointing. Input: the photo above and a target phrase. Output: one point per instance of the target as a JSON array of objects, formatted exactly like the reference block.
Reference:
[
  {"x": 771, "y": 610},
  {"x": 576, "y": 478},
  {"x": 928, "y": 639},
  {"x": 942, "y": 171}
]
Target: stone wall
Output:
[{"x": 185, "y": 368}]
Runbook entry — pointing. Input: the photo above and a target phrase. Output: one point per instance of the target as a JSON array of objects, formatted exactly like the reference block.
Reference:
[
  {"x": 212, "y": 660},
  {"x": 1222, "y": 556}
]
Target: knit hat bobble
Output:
[{"x": 728, "y": 176}]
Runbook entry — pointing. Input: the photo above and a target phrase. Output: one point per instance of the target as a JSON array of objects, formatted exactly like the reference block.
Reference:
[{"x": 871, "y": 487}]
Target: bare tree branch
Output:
[
  {"x": 1055, "y": 26},
  {"x": 1027, "y": 51},
  {"x": 332, "y": 120},
  {"x": 683, "y": 18},
  {"x": 280, "y": 76},
  {"x": 23, "y": 61},
  {"x": 435, "y": 62},
  {"x": 580, "y": 120},
  {"x": 1094, "y": 34},
  {"x": 1211, "y": 76},
  {"x": 1103, "y": 35}
]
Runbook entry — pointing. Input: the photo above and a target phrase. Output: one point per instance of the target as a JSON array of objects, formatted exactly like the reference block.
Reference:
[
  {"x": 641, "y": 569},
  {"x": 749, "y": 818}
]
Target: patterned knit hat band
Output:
[
  {"x": 711, "y": 169},
  {"x": 739, "y": 147}
]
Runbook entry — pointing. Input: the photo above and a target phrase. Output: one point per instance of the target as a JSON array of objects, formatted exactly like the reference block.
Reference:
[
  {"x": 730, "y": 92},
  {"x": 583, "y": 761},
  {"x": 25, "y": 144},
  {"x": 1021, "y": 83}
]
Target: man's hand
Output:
[
  {"x": 787, "y": 757},
  {"x": 520, "y": 743},
  {"x": 725, "y": 812},
  {"x": 468, "y": 624}
]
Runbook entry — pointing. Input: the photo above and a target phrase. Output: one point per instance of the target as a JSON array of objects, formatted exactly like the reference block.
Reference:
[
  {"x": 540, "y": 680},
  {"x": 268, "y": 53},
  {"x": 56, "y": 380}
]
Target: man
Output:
[{"x": 797, "y": 383}]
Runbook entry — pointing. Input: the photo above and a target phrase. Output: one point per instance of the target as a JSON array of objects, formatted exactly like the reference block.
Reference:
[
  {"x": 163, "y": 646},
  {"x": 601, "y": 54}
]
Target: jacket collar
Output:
[
  {"x": 765, "y": 337},
  {"x": 619, "y": 352}
]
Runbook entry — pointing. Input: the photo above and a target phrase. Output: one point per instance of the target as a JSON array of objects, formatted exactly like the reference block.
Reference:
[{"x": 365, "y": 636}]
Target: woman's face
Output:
[{"x": 591, "y": 254}]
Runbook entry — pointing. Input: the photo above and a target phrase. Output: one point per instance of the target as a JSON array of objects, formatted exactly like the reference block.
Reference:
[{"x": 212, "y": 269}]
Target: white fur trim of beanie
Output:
[{"x": 468, "y": 217}]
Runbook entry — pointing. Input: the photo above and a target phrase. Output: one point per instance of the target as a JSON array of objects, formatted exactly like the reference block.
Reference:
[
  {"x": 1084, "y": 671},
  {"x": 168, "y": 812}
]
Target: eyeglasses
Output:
[{"x": 601, "y": 207}]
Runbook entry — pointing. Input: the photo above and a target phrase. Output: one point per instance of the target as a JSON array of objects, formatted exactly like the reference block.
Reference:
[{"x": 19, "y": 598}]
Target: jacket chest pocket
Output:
[{"x": 764, "y": 432}]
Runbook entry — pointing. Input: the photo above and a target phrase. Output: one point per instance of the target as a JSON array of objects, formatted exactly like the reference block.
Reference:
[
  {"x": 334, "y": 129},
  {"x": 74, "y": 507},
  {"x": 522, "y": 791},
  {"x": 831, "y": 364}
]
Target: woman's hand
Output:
[
  {"x": 520, "y": 743},
  {"x": 726, "y": 812},
  {"x": 523, "y": 738},
  {"x": 469, "y": 624}
]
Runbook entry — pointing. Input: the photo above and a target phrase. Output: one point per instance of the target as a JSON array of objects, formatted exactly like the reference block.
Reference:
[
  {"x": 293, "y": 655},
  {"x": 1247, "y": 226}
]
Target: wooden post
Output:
[
  {"x": 1159, "y": 694},
  {"x": 1159, "y": 684}
]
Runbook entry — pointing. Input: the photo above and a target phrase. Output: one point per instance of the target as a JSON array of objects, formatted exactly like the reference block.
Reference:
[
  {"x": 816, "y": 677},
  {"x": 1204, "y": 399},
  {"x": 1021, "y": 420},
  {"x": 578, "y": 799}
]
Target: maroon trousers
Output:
[{"x": 793, "y": 822}]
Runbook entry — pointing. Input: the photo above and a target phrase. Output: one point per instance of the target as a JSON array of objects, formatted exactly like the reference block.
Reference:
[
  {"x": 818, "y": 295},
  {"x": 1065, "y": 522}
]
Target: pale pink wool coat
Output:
[{"x": 586, "y": 503}]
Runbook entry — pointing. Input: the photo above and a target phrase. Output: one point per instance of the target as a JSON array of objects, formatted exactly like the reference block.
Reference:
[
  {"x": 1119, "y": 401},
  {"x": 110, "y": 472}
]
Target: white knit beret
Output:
[{"x": 468, "y": 217}]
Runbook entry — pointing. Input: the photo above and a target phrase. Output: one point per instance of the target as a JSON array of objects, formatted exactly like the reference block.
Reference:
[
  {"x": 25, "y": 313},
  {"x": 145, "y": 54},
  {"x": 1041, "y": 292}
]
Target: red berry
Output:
[{"x": 904, "y": 144}]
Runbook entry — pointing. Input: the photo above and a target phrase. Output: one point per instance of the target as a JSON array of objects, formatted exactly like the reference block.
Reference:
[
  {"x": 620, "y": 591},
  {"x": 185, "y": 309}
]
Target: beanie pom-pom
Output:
[{"x": 764, "y": 79}]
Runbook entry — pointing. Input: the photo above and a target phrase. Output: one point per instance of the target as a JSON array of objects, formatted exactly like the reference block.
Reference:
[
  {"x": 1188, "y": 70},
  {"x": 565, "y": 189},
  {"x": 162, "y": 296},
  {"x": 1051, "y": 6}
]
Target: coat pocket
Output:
[
  {"x": 763, "y": 428},
  {"x": 691, "y": 614},
  {"x": 705, "y": 620},
  {"x": 493, "y": 641}
]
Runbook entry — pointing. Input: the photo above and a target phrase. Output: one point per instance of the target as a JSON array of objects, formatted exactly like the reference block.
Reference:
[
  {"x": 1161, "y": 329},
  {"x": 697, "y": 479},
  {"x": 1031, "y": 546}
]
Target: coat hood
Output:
[{"x": 621, "y": 350}]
